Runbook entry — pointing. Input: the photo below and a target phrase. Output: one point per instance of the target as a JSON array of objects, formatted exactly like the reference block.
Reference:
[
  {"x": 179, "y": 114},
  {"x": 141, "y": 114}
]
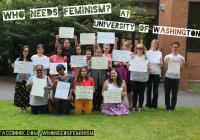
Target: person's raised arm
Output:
[
  {"x": 76, "y": 41},
  {"x": 57, "y": 41}
]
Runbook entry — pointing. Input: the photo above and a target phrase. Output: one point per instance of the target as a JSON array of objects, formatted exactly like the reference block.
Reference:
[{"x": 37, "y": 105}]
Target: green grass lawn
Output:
[
  {"x": 183, "y": 124},
  {"x": 194, "y": 87}
]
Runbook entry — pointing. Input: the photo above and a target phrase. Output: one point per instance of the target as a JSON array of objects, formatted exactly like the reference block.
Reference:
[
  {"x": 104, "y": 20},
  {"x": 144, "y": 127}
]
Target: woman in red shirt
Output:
[{"x": 83, "y": 79}]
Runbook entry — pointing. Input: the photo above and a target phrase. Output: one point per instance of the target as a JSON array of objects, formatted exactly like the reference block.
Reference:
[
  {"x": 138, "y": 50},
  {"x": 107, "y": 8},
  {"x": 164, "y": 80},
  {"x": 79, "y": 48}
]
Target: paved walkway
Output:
[{"x": 184, "y": 98}]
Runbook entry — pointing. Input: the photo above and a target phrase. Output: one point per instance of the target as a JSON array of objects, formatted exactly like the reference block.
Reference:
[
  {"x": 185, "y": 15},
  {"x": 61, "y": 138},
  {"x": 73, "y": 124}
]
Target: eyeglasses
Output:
[
  {"x": 38, "y": 70},
  {"x": 139, "y": 48}
]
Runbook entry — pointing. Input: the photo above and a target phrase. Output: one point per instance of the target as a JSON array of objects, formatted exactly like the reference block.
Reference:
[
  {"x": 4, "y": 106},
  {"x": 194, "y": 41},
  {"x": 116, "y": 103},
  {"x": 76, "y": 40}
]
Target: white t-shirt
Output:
[
  {"x": 44, "y": 60},
  {"x": 173, "y": 58},
  {"x": 154, "y": 58}
]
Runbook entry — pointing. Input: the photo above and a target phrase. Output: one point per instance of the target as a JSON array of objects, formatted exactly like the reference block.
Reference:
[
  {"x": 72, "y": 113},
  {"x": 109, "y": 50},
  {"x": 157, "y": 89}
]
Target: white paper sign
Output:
[
  {"x": 43, "y": 61},
  {"x": 23, "y": 67},
  {"x": 53, "y": 67},
  {"x": 99, "y": 63},
  {"x": 174, "y": 67},
  {"x": 121, "y": 56},
  {"x": 87, "y": 38},
  {"x": 84, "y": 92},
  {"x": 38, "y": 86},
  {"x": 154, "y": 57},
  {"x": 78, "y": 61},
  {"x": 112, "y": 96},
  {"x": 106, "y": 38},
  {"x": 138, "y": 66},
  {"x": 66, "y": 32},
  {"x": 62, "y": 90}
]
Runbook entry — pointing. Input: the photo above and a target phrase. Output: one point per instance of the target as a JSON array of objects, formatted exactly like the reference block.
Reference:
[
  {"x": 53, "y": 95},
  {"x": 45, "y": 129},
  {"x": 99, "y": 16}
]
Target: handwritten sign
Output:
[
  {"x": 84, "y": 92},
  {"x": 66, "y": 32},
  {"x": 121, "y": 56},
  {"x": 38, "y": 87},
  {"x": 106, "y": 38},
  {"x": 174, "y": 67},
  {"x": 23, "y": 67},
  {"x": 78, "y": 61},
  {"x": 112, "y": 96},
  {"x": 99, "y": 63},
  {"x": 41, "y": 60},
  {"x": 138, "y": 66},
  {"x": 87, "y": 38},
  {"x": 62, "y": 90},
  {"x": 53, "y": 67},
  {"x": 154, "y": 57}
]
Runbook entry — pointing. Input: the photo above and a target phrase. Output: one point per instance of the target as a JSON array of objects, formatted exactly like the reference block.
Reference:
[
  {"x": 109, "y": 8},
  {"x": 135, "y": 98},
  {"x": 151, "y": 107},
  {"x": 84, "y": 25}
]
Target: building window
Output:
[{"x": 193, "y": 44}]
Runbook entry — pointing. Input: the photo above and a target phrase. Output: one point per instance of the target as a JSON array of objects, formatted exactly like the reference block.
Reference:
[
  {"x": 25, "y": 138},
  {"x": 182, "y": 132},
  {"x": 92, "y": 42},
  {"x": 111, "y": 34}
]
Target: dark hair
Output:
[
  {"x": 21, "y": 57},
  {"x": 175, "y": 42},
  {"x": 80, "y": 78},
  {"x": 88, "y": 50},
  {"x": 76, "y": 48},
  {"x": 60, "y": 46},
  {"x": 119, "y": 80},
  {"x": 40, "y": 46}
]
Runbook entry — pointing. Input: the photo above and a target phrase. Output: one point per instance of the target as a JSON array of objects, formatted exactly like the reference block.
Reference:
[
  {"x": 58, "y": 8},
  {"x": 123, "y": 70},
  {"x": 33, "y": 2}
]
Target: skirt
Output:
[
  {"x": 21, "y": 97},
  {"x": 116, "y": 109}
]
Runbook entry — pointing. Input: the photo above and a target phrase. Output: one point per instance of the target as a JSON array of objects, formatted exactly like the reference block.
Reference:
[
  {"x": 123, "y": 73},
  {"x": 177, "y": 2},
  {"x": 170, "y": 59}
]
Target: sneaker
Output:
[{"x": 168, "y": 110}]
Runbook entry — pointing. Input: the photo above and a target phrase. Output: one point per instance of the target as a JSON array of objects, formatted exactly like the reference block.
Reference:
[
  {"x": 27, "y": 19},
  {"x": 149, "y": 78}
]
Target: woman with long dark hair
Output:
[
  {"x": 21, "y": 97},
  {"x": 83, "y": 79},
  {"x": 115, "y": 83}
]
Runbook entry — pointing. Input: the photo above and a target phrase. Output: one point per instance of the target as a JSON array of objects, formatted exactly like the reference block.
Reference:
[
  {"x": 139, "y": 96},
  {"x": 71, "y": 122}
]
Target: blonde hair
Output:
[
  {"x": 144, "y": 48},
  {"x": 156, "y": 42}
]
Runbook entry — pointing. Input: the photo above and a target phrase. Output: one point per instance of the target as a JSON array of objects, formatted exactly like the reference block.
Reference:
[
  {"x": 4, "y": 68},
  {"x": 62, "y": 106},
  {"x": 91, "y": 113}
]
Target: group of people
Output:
[{"x": 116, "y": 77}]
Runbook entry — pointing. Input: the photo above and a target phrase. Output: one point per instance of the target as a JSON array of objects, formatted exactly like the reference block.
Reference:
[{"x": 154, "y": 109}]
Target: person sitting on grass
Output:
[
  {"x": 115, "y": 83},
  {"x": 63, "y": 106},
  {"x": 83, "y": 79},
  {"x": 39, "y": 103}
]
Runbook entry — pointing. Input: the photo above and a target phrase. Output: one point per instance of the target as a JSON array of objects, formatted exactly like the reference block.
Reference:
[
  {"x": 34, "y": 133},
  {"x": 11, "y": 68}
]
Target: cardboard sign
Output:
[
  {"x": 121, "y": 56},
  {"x": 78, "y": 61},
  {"x": 23, "y": 67},
  {"x": 112, "y": 96},
  {"x": 87, "y": 38},
  {"x": 53, "y": 67},
  {"x": 106, "y": 38},
  {"x": 99, "y": 63}
]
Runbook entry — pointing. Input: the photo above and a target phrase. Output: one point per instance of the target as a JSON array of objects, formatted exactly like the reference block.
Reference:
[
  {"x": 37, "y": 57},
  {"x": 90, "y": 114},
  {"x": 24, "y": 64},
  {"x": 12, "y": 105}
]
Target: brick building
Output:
[{"x": 182, "y": 14}]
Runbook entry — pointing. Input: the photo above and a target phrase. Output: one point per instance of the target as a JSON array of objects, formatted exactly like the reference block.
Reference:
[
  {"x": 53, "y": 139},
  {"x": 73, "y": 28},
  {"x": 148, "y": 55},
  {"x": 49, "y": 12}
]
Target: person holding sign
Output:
[
  {"x": 75, "y": 70},
  {"x": 139, "y": 75},
  {"x": 21, "y": 96},
  {"x": 99, "y": 76},
  {"x": 106, "y": 50},
  {"x": 122, "y": 69},
  {"x": 62, "y": 105},
  {"x": 39, "y": 84},
  {"x": 57, "y": 58},
  {"x": 115, "y": 83},
  {"x": 40, "y": 58},
  {"x": 88, "y": 54},
  {"x": 68, "y": 50},
  {"x": 155, "y": 59},
  {"x": 83, "y": 79},
  {"x": 173, "y": 63}
]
